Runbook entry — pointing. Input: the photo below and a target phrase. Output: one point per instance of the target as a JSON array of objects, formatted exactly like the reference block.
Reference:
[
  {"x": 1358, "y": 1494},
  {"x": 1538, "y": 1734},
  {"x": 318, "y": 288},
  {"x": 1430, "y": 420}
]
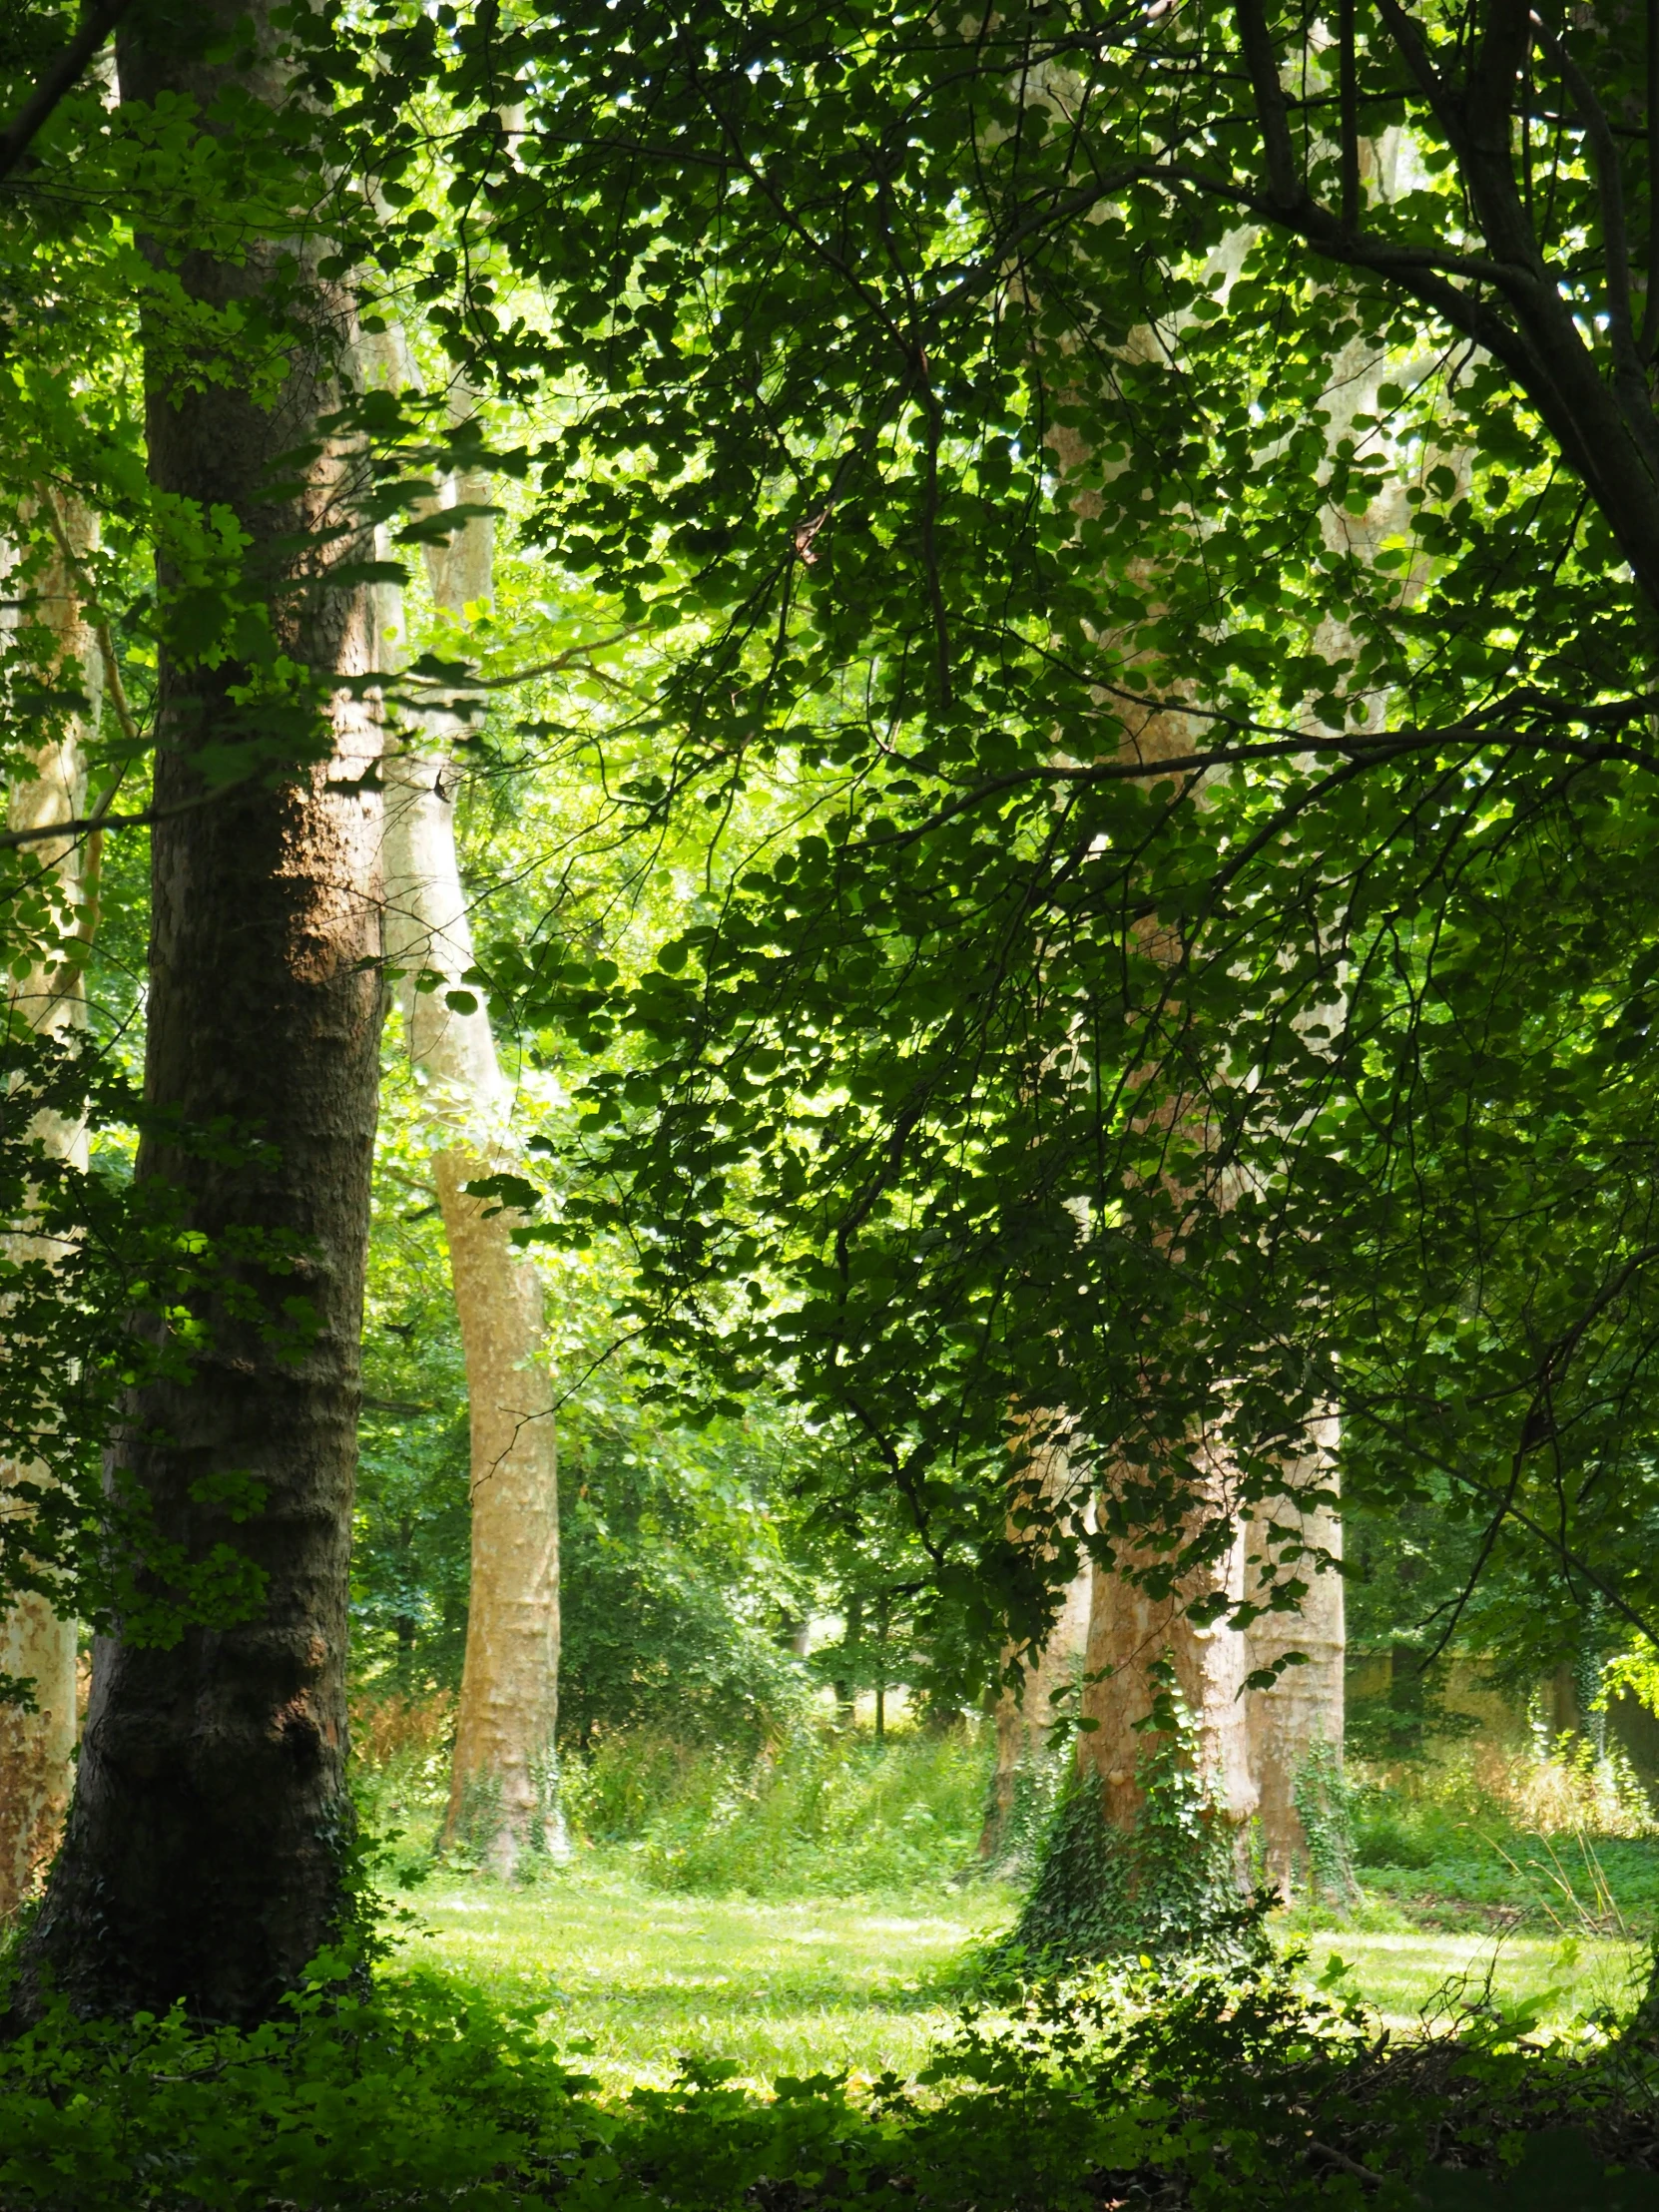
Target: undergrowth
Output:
[
  {"x": 1487, "y": 1836},
  {"x": 825, "y": 1812},
  {"x": 1210, "y": 2087}
]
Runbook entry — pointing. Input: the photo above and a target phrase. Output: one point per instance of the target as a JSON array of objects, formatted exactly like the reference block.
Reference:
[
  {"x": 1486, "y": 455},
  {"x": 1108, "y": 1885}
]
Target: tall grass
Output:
[
  {"x": 823, "y": 1813},
  {"x": 826, "y": 1813}
]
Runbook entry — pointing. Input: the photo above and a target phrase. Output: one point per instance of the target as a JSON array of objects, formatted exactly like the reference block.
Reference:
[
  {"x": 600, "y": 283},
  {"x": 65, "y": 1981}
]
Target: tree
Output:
[
  {"x": 206, "y": 1853},
  {"x": 912, "y": 1071},
  {"x": 37, "y": 1638},
  {"x": 504, "y": 1792}
]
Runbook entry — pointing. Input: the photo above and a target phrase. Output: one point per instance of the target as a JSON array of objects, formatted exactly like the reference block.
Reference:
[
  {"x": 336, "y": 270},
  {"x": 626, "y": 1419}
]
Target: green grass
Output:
[
  {"x": 1411, "y": 1977},
  {"x": 778, "y": 1987},
  {"x": 799, "y": 1912},
  {"x": 831, "y": 1983}
]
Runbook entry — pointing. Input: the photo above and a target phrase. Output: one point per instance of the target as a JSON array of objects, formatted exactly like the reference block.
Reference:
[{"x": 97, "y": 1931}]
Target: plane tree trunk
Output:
[
  {"x": 1295, "y": 1728},
  {"x": 503, "y": 1800},
  {"x": 37, "y": 1643},
  {"x": 205, "y": 1855},
  {"x": 1023, "y": 1777}
]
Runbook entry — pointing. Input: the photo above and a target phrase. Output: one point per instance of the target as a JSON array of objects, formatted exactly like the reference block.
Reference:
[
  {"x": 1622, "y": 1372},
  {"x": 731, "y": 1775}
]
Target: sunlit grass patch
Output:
[
  {"x": 837, "y": 1983},
  {"x": 1411, "y": 1977},
  {"x": 800, "y": 1986}
]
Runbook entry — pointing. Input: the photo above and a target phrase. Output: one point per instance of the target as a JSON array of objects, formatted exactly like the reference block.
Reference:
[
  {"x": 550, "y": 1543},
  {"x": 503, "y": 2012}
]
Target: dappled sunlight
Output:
[{"x": 792, "y": 1988}]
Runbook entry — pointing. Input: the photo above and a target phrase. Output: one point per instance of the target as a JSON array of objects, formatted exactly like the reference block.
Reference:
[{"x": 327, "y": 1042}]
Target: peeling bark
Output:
[
  {"x": 503, "y": 1799},
  {"x": 1289, "y": 1723},
  {"x": 37, "y": 1643},
  {"x": 1128, "y": 1632},
  {"x": 1023, "y": 1743}
]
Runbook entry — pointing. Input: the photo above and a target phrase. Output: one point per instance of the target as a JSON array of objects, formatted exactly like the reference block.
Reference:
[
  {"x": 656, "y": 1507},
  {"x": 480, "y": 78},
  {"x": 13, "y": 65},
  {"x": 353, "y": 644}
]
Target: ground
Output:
[{"x": 825, "y": 1983}]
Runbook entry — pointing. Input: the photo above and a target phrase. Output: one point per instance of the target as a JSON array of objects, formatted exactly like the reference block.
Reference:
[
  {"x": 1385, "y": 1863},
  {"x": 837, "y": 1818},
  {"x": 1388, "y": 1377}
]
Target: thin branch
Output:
[
  {"x": 1350, "y": 115},
  {"x": 1357, "y": 749},
  {"x": 80, "y": 826},
  {"x": 553, "y": 667}
]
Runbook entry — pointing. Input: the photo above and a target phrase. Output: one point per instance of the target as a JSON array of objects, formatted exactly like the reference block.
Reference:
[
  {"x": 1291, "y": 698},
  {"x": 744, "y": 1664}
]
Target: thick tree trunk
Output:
[
  {"x": 1129, "y": 1633},
  {"x": 1023, "y": 1744},
  {"x": 36, "y": 1643},
  {"x": 1025, "y": 1761},
  {"x": 503, "y": 1799},
  {"x": 205, "y": 1852}
]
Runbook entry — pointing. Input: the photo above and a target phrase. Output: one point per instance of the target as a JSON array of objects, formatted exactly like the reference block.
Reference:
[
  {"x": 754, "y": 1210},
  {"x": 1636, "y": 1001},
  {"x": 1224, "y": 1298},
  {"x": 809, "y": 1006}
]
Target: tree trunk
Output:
[
  {"x": 1290, "y": 1723},
  {"x": 503, "y": 1799},
  {"x": 36, "y": 1643},
  {"x": 1129, "y": 1633},
  {"x": 1025, "y": 1760},
  {"x": 1023, "y": 1743},
  {"x": 206, "y": 1847}
]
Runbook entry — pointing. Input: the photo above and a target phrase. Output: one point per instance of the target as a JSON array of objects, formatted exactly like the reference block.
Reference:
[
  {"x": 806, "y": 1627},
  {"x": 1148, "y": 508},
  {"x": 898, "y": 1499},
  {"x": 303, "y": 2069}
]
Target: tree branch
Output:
[{"x": 59, "y": 79}]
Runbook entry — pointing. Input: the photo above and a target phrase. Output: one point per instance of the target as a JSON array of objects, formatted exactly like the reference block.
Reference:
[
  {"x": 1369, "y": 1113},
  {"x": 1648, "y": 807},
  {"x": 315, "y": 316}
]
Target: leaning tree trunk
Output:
[
  {"x": 37, "y": 1643},
  {"x": 503, "y": 1798},
  {"x": 207, "y": 1843}
]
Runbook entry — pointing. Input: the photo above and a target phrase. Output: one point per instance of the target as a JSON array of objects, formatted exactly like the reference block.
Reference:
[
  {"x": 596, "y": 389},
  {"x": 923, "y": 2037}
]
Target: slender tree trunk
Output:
[
  {"x": 205, "y": 1851},
  {"x": 503, "y": 1789},
  {"x": 1289, "y": 1723},
  {"x": 37, "y": 1643}
]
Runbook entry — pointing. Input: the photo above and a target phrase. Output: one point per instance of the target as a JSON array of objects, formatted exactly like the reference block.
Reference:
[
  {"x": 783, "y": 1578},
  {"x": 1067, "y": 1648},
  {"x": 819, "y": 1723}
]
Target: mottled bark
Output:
[
  {"x": 37, "y": 1643},
  {"x": 503, "y": 1799},
  {"x": 1129, "y": 1632},
  {"x": 1023, "y": 1720},
  {"x": 1305, "y": 1710},
  {"x": 204, "y": 1852}
]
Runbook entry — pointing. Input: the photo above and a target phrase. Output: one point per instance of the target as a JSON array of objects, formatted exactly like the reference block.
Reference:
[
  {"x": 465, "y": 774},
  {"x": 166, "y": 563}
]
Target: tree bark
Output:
[
  {"x": 205, "y": 1857},
  {"x": 1128, "y": 1632},
  {"x": 1024, "y": 1752},
  {"x": 37, "y": 1643},
  {"x": 503, "y": 1799},
  {"x": 1305, "y": 1709}
]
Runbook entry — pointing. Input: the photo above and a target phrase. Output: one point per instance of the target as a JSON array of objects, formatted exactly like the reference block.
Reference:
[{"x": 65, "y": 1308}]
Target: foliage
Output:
[
  {"x": 818, "y": 1812},
  {"x": 1323, "y": 1799},
  {"x": 827, "y": 1813},
  {"x": 1229, "y": 2088},
  {"x": 1168, "y": 1883},
  {"x": 1505, "y": 1837},
  {"x": 1211, "y": 672}
]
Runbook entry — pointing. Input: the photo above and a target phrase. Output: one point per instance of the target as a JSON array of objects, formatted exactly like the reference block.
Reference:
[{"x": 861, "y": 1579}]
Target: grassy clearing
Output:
[
  {"x": 831, "y": 1983},
  {"x": 1413, "y": 1977},
  {"x": 790, "y": 1987},
  {"x": 803, "y": 1912}
]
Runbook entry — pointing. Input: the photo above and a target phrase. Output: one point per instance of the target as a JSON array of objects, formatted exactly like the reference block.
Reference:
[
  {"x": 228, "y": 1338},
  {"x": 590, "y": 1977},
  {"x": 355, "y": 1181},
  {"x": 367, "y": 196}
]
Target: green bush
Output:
[{"x": 1384, "y": 1841}]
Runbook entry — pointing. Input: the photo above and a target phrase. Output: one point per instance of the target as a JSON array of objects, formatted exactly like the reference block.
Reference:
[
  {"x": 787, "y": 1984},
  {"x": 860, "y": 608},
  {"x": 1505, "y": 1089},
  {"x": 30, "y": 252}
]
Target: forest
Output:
[{"x": 828, "y": 1139}]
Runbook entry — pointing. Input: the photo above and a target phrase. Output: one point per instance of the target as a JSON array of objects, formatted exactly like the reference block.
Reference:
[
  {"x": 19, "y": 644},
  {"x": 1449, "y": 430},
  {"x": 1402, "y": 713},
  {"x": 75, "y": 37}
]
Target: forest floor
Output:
[{"x": 647, "y": 1978}]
